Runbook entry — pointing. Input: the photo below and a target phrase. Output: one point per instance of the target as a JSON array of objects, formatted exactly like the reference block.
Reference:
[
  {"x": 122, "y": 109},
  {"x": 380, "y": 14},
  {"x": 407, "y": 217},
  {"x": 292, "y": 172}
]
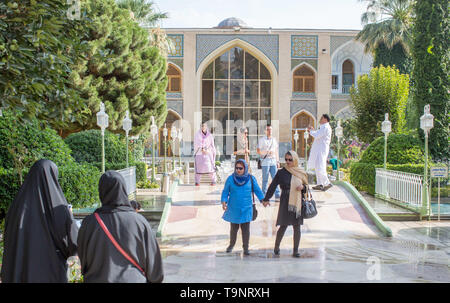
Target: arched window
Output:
[
  {"x": 304, "y": 80},
  {"x": 174, "y": 77},
  {"x": 300, "y": 124},
  {"x": 348, "y": 76}
]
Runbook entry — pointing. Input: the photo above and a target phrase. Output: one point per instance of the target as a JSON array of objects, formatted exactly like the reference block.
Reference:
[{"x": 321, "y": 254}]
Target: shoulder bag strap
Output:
[
  {"x": 114, "y": 242},
  {"x": 253, "y": 196},
  {"x": 271, "y": 143}
]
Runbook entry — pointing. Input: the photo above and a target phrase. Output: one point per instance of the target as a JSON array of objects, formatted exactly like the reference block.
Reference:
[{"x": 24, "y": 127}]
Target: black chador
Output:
[
  {"x": 101, "y": 261},
  {"x": 40, "y": 232}
]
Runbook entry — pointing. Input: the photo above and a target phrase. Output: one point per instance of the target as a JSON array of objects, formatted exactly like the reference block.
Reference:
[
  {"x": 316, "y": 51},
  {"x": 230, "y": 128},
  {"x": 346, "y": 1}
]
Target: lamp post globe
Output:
[
  {"x": 103, "y": 123},
  {"x": 339, "y": 131},
  {"x": 426, "y": 124},
  {"x": 126, "y": 125}
]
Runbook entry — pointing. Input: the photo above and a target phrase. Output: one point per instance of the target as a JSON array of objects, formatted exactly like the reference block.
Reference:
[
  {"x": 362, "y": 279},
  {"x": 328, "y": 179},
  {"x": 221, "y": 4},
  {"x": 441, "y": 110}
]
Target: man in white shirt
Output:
[
  {"x": 268, "y": 150},
  {"x": 319, "y": 152}
]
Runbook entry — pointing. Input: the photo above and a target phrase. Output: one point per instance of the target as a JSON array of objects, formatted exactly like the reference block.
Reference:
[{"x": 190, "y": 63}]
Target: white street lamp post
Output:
[
  {"x": 174, "y": 136},
  {"x": 296, "y": 139},
  {"x": 339, "y": 135},
  {"x": 154, "y": 131},
  {"x": 165, "y": 148},
  {"x": 306, "y": 137},
  {"x": 386, "y": 128},
  {"x": 426, "y": 124},
  {"x": 126, "y": 124},
  {"x": 180, "y": 138},
  {"x": 102, "y": 122}
]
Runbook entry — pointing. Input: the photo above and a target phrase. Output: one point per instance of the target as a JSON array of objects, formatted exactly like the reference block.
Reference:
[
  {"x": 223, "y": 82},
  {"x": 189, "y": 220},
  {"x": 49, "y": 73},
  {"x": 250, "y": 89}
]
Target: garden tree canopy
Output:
[
  {"x": 393, "y": 56},
  {"x": 430, "y": 52},
  {"x": 383, "y": 90},
  {"x": 143, "y": 11},
  {"x": 122, "y": 70},
  {"x": 38, "y": 43}
]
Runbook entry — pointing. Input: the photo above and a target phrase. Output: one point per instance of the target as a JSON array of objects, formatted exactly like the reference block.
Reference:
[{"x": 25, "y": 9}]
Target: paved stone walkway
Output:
[{"x": 341, "y": 244}]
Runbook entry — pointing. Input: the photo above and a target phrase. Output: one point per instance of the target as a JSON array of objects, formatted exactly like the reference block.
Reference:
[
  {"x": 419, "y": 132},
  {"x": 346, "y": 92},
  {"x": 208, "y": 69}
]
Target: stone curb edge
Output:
[
  {"x": 167, "y": 207},
  {"x": 386, "y": 231}
]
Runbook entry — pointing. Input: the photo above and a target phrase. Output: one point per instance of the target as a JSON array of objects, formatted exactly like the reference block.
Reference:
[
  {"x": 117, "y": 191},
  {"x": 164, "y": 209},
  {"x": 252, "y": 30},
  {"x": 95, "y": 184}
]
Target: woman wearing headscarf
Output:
[
  {"x": 40, "y": 231},
  {"x": 205, "y": 155},
  {"x": 237, "y": 202},
  {"x": 293, "y": 182},
  {"x": 242, "y": 149},
  {"x": 101, "y": 259}
]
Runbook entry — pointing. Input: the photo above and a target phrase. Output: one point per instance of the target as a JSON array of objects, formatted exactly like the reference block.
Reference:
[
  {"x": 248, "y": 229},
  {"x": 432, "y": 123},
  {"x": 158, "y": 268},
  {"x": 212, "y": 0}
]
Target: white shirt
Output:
[{"x": 265, "y": 145}]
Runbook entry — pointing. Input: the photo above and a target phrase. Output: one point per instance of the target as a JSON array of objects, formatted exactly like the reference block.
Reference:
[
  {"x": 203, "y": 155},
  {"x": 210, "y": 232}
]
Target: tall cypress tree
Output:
[
  {"x": 121, "y": 69},
  {"x": 430, "y": 52}
]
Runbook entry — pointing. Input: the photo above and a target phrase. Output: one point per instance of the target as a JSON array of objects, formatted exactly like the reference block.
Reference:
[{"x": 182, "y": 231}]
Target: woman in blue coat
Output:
[{"x": 237, "y": 202}]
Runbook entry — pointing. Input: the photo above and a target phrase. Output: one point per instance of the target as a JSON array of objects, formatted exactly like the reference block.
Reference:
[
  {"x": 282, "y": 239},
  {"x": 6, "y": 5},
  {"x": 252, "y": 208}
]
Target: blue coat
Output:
[{"x": 239, "y": 200}]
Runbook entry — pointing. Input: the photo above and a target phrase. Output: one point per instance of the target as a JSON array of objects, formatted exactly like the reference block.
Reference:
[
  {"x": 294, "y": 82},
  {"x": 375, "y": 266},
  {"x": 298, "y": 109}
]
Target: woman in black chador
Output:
[
  {"x": 101, "y": 260},
  {"x": 40, "y": 232},
  {"x": 293, "y": 181}
]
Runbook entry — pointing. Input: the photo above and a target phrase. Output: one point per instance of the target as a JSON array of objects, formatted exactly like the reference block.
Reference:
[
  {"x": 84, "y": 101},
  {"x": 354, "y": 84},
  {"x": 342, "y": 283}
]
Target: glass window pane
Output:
[
  {"x": 236, "y": 63},
  {"x": 251, "y": 93},
  {"x": 221, "y": 93},
  {"x": 221, "y": 117},
  {"x": 298, "y": 84},
  {"x": 207, "y": 93},
  {"x": 251, "y": 120},
  {"x": 236, "y": 120},
  {"x": 222, "y": 66},
  {"x": 175, "y": 84},
  {"x": 264, "y": 72},
  {"x": 265, "y": 116},
  {"x": 309, "y": 85},
  {"x": 207, "y": 115},
  {"x": 237, "y": 93},
  {"x": 208, "y": 73},
  {"x": 265, "y": 93},
  {"x": 251, "y": 67},
  {"x": 229, "y": 145}
]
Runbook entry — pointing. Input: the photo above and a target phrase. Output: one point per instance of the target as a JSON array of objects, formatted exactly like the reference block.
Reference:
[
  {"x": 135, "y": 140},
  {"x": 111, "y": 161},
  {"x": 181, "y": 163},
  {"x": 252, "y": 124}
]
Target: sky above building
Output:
[{"x": 307, "y": 14}]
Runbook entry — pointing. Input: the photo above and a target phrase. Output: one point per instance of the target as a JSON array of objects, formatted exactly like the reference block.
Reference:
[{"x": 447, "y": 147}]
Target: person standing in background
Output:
[
  {"x": 268, "y": 150},
  {"x": 319, "y": 152},
  {"x": 204, "y": 155}
]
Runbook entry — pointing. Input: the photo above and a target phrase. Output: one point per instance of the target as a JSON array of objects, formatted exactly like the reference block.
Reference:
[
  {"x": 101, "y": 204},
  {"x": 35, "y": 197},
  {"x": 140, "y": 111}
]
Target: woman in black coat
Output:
[
  {"x": 40, "y": 231},
  {"x": 101, "y": 261},
  {"x": 293, "y": 182}
]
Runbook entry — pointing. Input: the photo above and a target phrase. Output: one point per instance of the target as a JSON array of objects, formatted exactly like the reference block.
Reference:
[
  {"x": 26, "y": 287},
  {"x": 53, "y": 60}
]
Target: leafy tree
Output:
[
  {"x": 430, "y": 52},
  {"x": 38, "y": 43},
  {"x": 143, "y": 11},
  {"x": 383, "y": 90},
  {"x": 121, "y": 69},
  {"x": 387, "y": 32}
]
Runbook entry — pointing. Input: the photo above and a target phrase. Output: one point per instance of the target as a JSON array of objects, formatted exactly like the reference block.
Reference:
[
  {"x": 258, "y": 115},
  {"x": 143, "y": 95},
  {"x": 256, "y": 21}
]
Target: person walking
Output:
[
  {"x": 115, "y": 243},
  {"x": 237, "y": 202},
  {"x": 293, "y": 182},
  {"x": 319, "y": 152},
  {"x": 268, "y": 150},
  {"x": 242, "y": 148},
  {"x": 40, "y": 231},
  {"x": 204, "y": 155}
]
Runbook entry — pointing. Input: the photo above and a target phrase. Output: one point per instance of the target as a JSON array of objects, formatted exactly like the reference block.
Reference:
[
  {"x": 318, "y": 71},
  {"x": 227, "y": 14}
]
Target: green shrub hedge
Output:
[
  {"x": 401, "y": 149},
  {"x": 141, "y": 168},
  {"x": 86, "y": 146}
]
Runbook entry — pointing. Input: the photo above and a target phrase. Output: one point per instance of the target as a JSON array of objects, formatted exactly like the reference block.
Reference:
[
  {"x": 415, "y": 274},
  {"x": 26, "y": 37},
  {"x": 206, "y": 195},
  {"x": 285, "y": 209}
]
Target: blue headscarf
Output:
[{"x": 240, "y": 180}]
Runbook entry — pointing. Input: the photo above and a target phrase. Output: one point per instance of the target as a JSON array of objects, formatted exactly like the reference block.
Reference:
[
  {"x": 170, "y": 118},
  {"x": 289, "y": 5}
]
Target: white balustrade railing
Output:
[
  {"x": 129, "y": 174},
  {"x": 400, "y": 186}
]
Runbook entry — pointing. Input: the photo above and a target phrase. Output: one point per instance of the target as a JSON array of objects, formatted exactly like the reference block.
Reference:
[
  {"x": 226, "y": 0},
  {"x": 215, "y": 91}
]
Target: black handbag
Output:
[
  {"x": 309, "y": 209},
  {"x": 255, "y": 211}
]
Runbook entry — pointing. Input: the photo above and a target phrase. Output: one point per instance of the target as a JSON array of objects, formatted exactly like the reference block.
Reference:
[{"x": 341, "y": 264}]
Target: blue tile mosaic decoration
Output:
[
  {"x": 297, "y": 106},
  {"x": 302, "y": 95},
  {"x": 337, "y": 41},
  {"x": 178, "y": 41},
  {"x": 173, "y": 95},
  {"x": 267, "y": 44},
  {"x": 304, "y": 46},
  {"x": 176, "y": 106}
]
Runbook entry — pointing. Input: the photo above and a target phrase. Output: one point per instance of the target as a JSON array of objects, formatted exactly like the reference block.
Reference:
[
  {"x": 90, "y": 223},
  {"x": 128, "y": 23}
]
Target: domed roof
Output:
[{"x": 232, "y": 22}]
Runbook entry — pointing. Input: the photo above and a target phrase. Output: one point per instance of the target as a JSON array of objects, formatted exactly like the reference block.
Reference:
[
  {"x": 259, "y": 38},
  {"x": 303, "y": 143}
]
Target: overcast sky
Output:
[{"x": 307, "y": 14}]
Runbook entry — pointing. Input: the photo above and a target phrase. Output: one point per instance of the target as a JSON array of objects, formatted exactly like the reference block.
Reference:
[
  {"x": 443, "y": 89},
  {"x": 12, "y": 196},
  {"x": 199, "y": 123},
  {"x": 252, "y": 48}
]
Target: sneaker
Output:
[
  {"x": 327, "y": 187},
  {"x": 318, "y": 187},
  {"x": 276, "y": 251},
  {"x": 296, "y": 254},
  {"x": 246, "y": 252},
  {"x": 229, "y": 249},
  {"x": 197, "y": 184}
]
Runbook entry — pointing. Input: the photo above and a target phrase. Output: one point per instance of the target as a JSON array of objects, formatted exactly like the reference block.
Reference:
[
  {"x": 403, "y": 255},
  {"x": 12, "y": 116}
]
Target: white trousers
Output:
[{"x": 321, "y": 175}]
